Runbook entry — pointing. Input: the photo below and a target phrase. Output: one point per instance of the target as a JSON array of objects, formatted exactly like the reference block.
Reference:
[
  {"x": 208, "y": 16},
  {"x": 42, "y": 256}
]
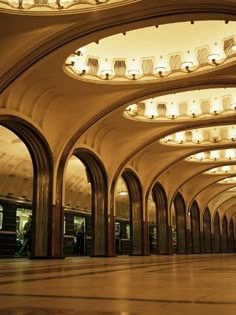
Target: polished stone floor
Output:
[{"x": 160, "y": 285}]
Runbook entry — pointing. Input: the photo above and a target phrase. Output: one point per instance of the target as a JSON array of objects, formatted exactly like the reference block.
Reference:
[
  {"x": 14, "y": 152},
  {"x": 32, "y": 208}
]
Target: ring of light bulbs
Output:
[
  {"x": 50, "y": 4},
  {"x": 221, "y": 170},
  {"x": 173, "y": 110},
  {"x": 76, "y": 66},
  {"x": 202, "y": 136},
  {"x": 213, "y": 156},
  {"x": 228, "y": 180}
]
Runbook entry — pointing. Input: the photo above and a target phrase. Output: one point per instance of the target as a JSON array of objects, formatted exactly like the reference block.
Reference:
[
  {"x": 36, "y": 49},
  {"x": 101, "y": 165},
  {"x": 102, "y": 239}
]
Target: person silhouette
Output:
[{"x": 27, "y": 232}]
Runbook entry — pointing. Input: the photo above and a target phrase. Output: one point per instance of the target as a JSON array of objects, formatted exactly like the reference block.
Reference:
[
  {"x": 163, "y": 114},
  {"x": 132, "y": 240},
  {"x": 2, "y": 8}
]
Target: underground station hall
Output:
[{"x": 117, "y": 157}]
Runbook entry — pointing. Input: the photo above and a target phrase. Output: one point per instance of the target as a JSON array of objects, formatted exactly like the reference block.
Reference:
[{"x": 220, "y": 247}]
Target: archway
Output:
[
  {"x": 180, "y": 218},
  {"x": 195, "y": 228},
  {"x": 136, "y": 212},
  {"x": 42, "y": 238},
  {"x": 231, "y": 236},
  {"x": 217, "y": 238},
  {"x": 77, "y": 210},
  {"x": 96, "y": 175},
  {"x": 152, "y": 225},
  {"x": 122, "y": 218},
  {"x": 224, "y": 239},
  {"x": 207, "y": 244},
  {"x": 159, "y": 197}
]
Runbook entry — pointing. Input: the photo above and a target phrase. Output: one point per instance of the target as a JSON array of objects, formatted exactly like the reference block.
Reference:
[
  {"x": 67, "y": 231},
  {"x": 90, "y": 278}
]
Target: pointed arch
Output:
[
  {"x": 42, "y": 161},
  {"x": 136, "y": 211},
  {"x": 217, "y": 238},
  {"x": 224, "y": 238},
  {"x": 160, "y": 199},
  {"x": 231, "y": 243},
  {"x": 195, "y": 228},
  {"x": 180, "y": 215},
  {"x": 97, "y": 175},
  {"x": 207, "y": 242}
]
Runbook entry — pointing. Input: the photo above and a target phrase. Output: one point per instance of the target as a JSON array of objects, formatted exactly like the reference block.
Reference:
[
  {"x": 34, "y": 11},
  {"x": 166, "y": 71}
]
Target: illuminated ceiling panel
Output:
[
  {"x": 233, "y": 189},
  {"x": 49, "y": 6},
  {"x": 225, "y": 169},
  {"x": 229, "y": 180},
  {"x": 202, "y": 136},
  {"x": 155, "y": 53},
  {"x": 191, "y": 105},
  {"x": 213, "y": 156}
]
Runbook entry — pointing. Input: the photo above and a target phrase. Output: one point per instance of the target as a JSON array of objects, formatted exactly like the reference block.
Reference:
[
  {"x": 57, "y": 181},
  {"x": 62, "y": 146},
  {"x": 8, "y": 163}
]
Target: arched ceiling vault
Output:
[
  {"x": 45, "y": 36},
  {"x": 34, "y": 84},
  {"x": 197, "y": 184},
  {"x": 190, "y": 182},
  {"x": 211, "y": 195},
  {"x": 227, "y": 207},
  {"x": 222, "y": 203},
  {"x": 230, "y": 212}
]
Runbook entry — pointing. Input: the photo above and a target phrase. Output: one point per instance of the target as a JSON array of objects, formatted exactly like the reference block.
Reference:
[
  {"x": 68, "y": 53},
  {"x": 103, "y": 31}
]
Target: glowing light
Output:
[
  {"x": 132, "y": 109},
  {"x": 123, "y": 193},
  {"x": 214, "y": 155},
  {"x": 159, "y": 70},
  {"x": 226, "y": 168},
  {"x": 79, "y": 67},
  {"x": 180, "y": 137},
  {"x": 14, "y": 3},
  {"x": 105, "y": 69},
  {"x": 194, "y": 109},
  {"x": 200, "y": 156},
  {"x": 71, "y": 60},
  {"x": 66, "y": 3},
  {"x": 229, "y": 154},
  {"x": 133, "y": 69},
  {"x": 214, "y": 58},
  {"x": 172, "y": 110},
  {"x": 215, "y": 134},
  {"x": 151, "y": 109},
  {"x": 168, "y": 138},
  {"x": 197, "y": 136},
  {"x": 81, "y": 50},
  {"x": 213, "y": 170},
  {"x": 230, "y": 180},
  {"x": 232, "y": 133},
  {"x": 233, "y": 106},
  {"x": 216, "y": 107},
  {"x": 186, "y": 65}
]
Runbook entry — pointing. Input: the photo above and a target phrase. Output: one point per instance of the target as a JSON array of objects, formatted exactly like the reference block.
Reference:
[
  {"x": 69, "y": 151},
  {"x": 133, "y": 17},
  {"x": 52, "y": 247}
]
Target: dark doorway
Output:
[
  {"x": 180, "y": 217},
  {"x": 207, "y": 243},
  {"x": 217, "y": 238},
  {"x": 159, "y": 197},
  {"x": 136, "y": 212},
  {"x": 195, "y": 228},
  {"x": 224, "y": 245}
]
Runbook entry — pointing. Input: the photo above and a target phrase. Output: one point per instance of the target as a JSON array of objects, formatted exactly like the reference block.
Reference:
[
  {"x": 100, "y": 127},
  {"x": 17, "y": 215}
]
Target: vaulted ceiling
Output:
[{"x": 138, "y": 115}]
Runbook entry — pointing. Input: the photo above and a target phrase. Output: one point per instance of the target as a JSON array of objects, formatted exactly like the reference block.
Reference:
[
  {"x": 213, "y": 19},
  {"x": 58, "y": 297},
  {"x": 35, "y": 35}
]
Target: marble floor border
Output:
[{"x": 104, "y": 298}]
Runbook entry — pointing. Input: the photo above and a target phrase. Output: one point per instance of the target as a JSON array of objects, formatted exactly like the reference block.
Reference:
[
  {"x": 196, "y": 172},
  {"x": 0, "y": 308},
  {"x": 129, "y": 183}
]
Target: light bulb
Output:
[
  {"x": 151, "y": 109},
  {"x": 232, "y": 133},
  {"x": 216, "y": 107},
  {"x": 214, "y": 155},
  {"x": 194, "y": 109},
  {"x": 197, "y": 136},
  {"x": 180, "y": 137},
  {"x": 229, "y": 154},
  {"x": 172, "y": 110},
  {"x": 200, "y": 156}
]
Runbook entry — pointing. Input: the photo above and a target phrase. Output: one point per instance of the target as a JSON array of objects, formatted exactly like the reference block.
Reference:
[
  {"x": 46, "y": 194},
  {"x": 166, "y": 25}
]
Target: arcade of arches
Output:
[{"x": 117, "y": 130}]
